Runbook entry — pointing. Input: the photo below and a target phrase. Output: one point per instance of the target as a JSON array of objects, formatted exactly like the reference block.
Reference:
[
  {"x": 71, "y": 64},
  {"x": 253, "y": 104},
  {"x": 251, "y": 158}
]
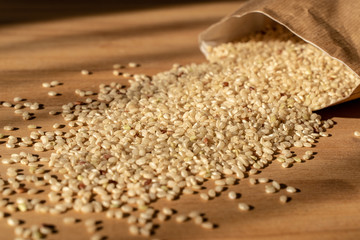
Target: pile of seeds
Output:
[
  {"x": 286, "y": 65},
  {"x": 164, "y": 135}
]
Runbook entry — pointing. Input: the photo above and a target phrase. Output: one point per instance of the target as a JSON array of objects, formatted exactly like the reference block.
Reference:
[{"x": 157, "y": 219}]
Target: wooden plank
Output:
[{"x": 58, "y": 48}]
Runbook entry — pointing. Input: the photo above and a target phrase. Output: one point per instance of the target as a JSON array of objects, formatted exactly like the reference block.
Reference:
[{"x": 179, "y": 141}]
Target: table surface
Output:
[{"x": 45, "y": 41}]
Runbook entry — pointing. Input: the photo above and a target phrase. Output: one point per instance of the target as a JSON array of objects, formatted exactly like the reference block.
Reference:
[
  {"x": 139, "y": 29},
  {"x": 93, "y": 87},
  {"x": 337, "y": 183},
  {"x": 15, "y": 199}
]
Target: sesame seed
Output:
[
  {"x": 263, "y": 180},
  {"x": 194, "y": 214},
  {"x": 85, "y": 72},
  {"x": 357, "y": 134},
  {"x": 46, "y": 85},
  {"x": 167, "y": 211},
  {"x": 134, "y": 230},
  {"x": 57, "y": 125},
  {"x": 243, "y": 207},
  {"x": 133, "y": 64},
  {"x": 126, "y": 75},
  {"x": 9, "y": 128},
  {"x": 290, "y": 189},
  {"x": 204, "y": 196},
  {"x": 219, "y": 189},
  {"x": 253, "y": 171},
  {"x": 162, "y": 217},
  {"x": 7, "y": 104},
  {"x": 54, "y": 83},
  {"x": 13, "y": 222},
  {"x": 118, "y": 66},
  {"x": 116, "y": 73},
  {"x": 232, "y": 195},
  {"x": 18, "y": 99},
  {"x": 198, "y": 220},
  {"x": 52, "y": 93},
  {"x": 207, "y": 225},
  {"x": 212, "y": 193},
  {"x": 52, "y": 112},
  {"x": 252, "y": 181},
  {"x": 283, "y": 199},
  {"x": 181, "y": 218},
  {"x": 270, "y": 189}
]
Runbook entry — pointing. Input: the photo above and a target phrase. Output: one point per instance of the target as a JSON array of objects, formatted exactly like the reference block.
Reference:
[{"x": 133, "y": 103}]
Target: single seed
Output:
[
  {"x": 85, "y": 72},
  {"x": 167, "y": 211},
  {"x": 133, "y": 64},
  {"x": 283, "y": 199},
  {"x": 198, "y": 220},
  {"x": 290, "y": 189},
  {"x": 54, "y": 83},
  {"x": 252, "y": 181},
  {"x": 90, "y": 222},
  {"x": 232, "y": 195},
  {"x": 204, "y": 196},
  {"x": 207, "y": 225},
  {"x": 253, "y": 171},
  {"x": 52, "y": 93},
  {"x": 46, "y": 85},
  {"x": 285, "y": 165},
  {"x": 263, "y": 180},
  {"x": 357, "y": 134},
  {"x": 13, "y": 222},
  {"x": 243, "y": 207},
  {"x": 194, "y": 214},
  {"x": 181, "y": 218},
  {"x": 219, "y": 189},
  {"x": 134, "y": 230},
  {"x": 7, "y": 104},
  {"x": 162, "y": 217},
  {"x": 18, "y": 99},
  {"x": 212, "y": 193},
  {"x": 270, "y": 189},
  {"x": 9, "y": 128},
  {"x": 117, "y": 66},
  {"x": 116, "y": 73},
  {"x": 96, "y": 237}
]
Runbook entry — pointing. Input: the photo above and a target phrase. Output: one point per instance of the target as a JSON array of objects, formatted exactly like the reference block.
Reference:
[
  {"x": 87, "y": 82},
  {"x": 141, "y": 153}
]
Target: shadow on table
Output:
[
  {"x": 344, "y": 110},
  {"x": 21, "y": 11}
]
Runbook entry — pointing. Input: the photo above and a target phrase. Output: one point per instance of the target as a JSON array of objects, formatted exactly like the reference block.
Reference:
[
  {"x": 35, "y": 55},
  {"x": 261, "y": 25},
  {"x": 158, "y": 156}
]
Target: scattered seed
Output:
[
  {"x": 263, "y": 180},
  {"x": 270, "y": 189},
  {"x": 46, "y": 85},
  {"x": 9, "y": 128},
  {"x": 13, "y": 222},
  {"x": 18, "y": 99},
  {"x": 54, "y": 83},
  {"x": 52, "y": 93},
  {"x": 204, "y": 196},
  {"x": 243, "y": 207},
  {"x": 232, "y": 195},
  {"x": 118, "y": 66},
  {"x": 85, "y": 72},
  {"x": 290, "y": 189},
  {"x": 7, "y": 104},
  {"x": 207, "y": 225},
  {"x": 133, "y": 65},
  {"x": 181, "y": 218},
  {"x": 283, "y": 199}
]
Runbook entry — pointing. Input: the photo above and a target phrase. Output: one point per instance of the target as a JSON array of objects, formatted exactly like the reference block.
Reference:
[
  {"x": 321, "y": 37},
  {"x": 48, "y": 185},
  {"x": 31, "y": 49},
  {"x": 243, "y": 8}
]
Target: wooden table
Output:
[{"x": 39, "y": 44}]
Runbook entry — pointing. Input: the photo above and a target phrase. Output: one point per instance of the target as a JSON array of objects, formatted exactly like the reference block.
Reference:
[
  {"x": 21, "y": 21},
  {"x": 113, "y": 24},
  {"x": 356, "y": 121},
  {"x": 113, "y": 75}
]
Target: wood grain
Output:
[{"x": 58, "y": 48}]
